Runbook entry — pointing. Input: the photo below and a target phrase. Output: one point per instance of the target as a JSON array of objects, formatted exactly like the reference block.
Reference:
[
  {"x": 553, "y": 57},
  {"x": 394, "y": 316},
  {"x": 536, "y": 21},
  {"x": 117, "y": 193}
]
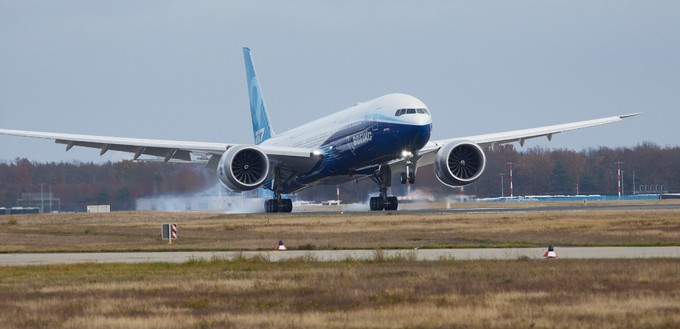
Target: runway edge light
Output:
[{"x": 550, "y": 253}]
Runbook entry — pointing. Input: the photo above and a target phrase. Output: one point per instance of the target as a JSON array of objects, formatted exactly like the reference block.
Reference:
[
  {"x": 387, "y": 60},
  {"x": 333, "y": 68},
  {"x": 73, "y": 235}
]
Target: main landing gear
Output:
[
  {"x": 277, "y": 204},
  {"x": 384, "y": 180}
]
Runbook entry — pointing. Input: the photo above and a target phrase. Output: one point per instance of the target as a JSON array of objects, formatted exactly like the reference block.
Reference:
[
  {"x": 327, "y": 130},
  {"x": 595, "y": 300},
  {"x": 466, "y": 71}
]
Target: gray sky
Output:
[{"x": 174, "y": 69}]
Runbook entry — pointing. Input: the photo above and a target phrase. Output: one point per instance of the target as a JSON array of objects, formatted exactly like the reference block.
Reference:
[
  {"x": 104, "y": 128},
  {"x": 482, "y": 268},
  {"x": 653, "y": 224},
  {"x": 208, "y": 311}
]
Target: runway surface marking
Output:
[{"x": 340, "y": 255}]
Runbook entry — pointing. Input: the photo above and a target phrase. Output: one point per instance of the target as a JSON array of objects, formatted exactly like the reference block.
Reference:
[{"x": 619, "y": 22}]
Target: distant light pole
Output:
[
  {"x": 622, "y": 193},
  {"x": 509, "y": 163},
  {"x": 618, "y": 169},
  {"x": 634, "y": 193},
  {"x": 42, "y": 200},
  {"x": 502, "y": 192}
]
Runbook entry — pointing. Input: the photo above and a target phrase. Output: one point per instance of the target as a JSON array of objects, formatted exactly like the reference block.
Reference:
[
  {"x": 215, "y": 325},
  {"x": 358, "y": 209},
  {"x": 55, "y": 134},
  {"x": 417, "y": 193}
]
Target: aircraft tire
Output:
[
  {"x": 392, "y": 203},
  {"x": 271, "y": 206},
  {"x": 286, "y": 205},
  {"x": 376, "y": 204}
]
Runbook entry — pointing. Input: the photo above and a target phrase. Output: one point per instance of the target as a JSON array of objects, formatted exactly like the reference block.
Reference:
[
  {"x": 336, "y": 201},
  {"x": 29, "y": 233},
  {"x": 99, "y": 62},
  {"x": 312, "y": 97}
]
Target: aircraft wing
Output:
[
  {"x": 169, "y": 149},
  {"x": 492, "y": 140}
]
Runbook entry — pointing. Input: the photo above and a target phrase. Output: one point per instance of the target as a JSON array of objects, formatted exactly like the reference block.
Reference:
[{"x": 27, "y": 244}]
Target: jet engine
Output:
[
  {"x": 459, "y": 163},
  {"x": 243, "y": 168}
]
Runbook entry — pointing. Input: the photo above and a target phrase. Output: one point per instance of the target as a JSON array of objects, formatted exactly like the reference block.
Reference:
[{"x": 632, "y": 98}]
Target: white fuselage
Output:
[{"x": 364, "y": 136}]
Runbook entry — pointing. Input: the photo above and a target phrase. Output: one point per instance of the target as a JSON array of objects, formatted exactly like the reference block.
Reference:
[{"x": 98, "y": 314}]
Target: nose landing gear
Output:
[
  {"x": 407, "y": 177},
  {"x": 409, "y": 174}
]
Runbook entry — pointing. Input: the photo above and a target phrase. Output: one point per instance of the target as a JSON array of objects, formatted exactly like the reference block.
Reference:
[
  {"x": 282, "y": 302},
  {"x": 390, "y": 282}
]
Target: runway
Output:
[
  {"x": 341, "y": 255},
  {"x": 502, "y": 207}
]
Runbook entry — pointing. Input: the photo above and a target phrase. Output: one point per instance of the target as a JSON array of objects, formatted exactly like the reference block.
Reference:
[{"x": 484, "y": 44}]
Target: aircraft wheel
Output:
[
  {"x": 402, "y": 178},
  {"x": 376, "y": 203},
  {"x": 392, "y": 203},
  {"x": 286, "y": 205},
  {"x": 411, "y": 179},
  {"x": 271, "y": 206}
]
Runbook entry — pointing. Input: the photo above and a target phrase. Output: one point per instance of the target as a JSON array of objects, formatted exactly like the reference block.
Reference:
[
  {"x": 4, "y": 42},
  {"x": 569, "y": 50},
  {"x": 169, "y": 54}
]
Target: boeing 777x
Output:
[{"x": 371, "y": 139}]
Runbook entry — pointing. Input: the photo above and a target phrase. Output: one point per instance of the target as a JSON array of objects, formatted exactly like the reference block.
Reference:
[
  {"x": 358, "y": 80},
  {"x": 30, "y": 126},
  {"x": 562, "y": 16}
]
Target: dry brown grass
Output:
[
  {"x": 371, "y": 294},
  {"x": 204, "y": 231},
  {"x": 382, "y": 293}
]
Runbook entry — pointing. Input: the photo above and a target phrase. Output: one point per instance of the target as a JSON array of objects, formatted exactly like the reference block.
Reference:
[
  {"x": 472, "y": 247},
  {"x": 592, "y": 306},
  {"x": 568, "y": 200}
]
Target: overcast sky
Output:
[{"x": 174, "y": 69}]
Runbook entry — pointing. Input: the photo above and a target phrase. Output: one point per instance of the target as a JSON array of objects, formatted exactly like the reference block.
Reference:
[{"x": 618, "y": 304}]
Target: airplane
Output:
[{"x": 371, "y": 139}]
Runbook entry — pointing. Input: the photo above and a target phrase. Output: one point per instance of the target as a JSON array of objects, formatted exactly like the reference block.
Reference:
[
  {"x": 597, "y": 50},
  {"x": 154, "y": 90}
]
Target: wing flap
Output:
[
  {"x": 169, "y": 149},
  {"x": 167, "y": 153}
]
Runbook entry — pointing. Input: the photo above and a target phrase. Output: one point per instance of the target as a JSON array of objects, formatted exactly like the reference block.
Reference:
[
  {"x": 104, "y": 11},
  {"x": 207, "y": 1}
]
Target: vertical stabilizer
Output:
[{"x": 262, "y": 130}]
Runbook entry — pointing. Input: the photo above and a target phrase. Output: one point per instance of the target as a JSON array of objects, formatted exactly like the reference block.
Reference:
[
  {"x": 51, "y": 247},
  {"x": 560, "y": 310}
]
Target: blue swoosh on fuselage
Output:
[{"x": 366, "y": 144}]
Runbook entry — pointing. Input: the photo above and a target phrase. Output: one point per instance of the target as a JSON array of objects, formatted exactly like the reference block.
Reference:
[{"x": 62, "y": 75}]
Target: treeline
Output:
[
  {"x": 118, "y": 184},
  {"x": 540, "y": 171},
  {"x": 535, "y": 171}
]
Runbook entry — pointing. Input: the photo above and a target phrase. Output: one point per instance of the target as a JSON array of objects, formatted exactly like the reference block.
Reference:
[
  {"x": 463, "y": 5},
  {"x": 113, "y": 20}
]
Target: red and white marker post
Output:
[
  {"x": 169, "y": 231},
  {"x": 173, "y": 233}
]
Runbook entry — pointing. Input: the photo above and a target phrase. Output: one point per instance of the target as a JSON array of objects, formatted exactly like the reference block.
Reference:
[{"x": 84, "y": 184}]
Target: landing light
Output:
[
  {"x": 317, "y": 153},
  {"x": 406, "y": 154}
]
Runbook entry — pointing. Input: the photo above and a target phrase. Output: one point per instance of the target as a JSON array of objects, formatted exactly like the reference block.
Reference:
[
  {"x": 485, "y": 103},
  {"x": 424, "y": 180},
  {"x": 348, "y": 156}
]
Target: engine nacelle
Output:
[
  {"x": 459, "y": 163},
  {"x": 243, "y": 168}
]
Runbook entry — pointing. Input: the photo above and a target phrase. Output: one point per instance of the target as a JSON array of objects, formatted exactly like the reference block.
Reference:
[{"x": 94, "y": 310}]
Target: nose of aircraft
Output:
[{"x": 420, "y": 119}]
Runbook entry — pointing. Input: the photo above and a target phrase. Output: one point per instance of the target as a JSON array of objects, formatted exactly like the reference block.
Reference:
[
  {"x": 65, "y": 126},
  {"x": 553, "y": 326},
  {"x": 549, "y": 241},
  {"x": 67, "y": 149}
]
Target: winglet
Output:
[
  {"x": 262, "y": 129},
  {"x": 629, "y": 115}
]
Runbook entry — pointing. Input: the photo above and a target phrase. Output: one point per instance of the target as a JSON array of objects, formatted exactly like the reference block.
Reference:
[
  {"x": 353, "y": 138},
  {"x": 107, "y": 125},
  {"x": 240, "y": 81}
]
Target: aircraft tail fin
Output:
[{"x": 262, "y": 129}]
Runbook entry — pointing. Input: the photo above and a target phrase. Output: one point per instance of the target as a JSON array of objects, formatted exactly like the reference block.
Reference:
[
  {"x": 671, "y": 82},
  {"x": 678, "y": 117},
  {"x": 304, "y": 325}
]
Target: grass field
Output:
[
  {"x": 131, "y": 231},
  {"x": 397, "y": 293},
  {"x": 379, "y": 293}
]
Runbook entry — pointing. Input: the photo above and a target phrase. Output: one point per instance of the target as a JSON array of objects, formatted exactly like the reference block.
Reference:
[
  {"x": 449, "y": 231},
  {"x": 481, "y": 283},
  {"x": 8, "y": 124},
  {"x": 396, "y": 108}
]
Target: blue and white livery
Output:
[
  {"x": 373, "y": 139},
  {"x": 262, "y": 129}
]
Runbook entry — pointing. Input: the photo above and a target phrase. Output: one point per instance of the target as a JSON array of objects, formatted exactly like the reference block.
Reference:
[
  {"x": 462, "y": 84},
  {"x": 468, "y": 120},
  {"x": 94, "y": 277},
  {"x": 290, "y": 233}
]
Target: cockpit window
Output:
[{"x": 401, "y": 112}]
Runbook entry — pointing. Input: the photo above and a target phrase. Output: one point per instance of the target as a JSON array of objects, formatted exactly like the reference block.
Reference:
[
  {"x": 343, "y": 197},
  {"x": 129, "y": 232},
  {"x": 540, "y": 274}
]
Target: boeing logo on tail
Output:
[{"x": 380, "y": 139}]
